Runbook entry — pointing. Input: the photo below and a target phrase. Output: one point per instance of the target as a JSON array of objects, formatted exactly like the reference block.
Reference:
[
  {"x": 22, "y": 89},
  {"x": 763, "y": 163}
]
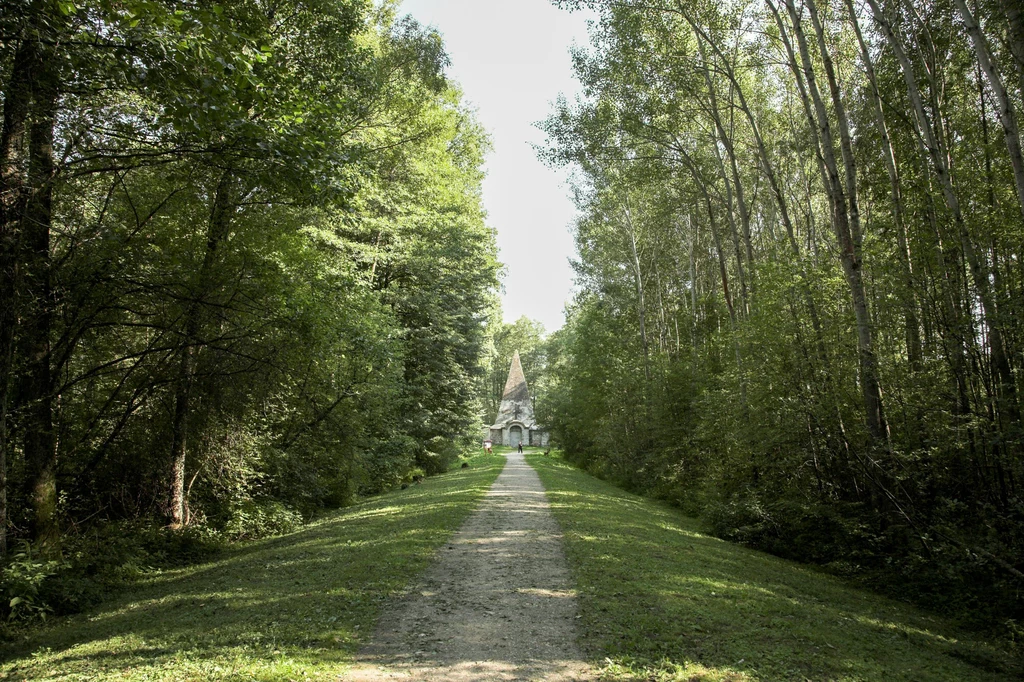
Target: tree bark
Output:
[
  {"x": 17, "y": 101},
  {"x": 912, "y": 325},
  {"x": 1005, "y": 109},
  {"x": 217, "y": 230},
  {"x": 723, "y": 270},
  {"x": 36, "y": 386},
  {"x": 843, "y": 122},
  {"x": 843, "y": 215},
  {"x": 1014, "y": 13},
  {"x": 741, "y": 202},
  {"x": 734, "y": 233},
  {"x": 639, "y": 283}
]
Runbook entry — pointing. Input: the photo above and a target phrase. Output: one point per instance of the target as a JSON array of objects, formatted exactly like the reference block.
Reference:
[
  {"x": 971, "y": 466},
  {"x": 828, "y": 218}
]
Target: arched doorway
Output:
[{"x": 515, "y": 435}]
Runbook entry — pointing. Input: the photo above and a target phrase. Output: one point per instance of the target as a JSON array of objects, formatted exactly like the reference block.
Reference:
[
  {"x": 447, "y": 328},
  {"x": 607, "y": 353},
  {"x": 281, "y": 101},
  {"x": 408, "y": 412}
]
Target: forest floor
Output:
[
  {"x": 497, "y": 604},
  {"x": 656, "y": 600},
  {"x": 294, "y": 607},
  {"x": 661, "y": 600}
]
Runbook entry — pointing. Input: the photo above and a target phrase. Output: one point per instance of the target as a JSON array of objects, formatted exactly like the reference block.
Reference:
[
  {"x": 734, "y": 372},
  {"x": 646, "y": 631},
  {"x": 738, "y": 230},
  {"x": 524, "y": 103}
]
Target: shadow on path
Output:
[{"x": 497, "y": 604}]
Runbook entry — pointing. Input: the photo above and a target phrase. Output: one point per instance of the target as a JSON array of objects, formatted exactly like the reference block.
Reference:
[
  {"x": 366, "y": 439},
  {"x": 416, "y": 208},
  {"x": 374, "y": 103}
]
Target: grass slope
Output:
[
  {"x": 292, "y": 607},
  {"x": 659, "y": 600}
]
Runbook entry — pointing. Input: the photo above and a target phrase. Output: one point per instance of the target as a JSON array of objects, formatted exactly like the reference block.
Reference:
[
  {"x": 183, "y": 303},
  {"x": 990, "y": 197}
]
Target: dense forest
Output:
[
  {"x": 245, "y": 269},
  {"x": 246, "y": 275},
  {"x": 801, "y": 279}
]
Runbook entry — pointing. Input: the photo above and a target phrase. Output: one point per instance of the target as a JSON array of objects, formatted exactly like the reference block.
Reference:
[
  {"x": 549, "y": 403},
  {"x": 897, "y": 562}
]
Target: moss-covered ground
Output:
[
  {"x": 660, "y": 600},
  {"x": 293, "y": 607}
]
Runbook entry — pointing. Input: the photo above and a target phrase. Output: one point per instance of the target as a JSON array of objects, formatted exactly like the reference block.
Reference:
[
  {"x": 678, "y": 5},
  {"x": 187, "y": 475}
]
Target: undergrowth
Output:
[
  {"x": 661, "y": 600},
  {"x": 288, "y": 607}
]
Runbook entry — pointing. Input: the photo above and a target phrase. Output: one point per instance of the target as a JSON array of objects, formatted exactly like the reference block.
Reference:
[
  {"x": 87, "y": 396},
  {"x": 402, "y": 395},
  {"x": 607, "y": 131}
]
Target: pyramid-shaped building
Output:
[{"x": 515, "y": 422}]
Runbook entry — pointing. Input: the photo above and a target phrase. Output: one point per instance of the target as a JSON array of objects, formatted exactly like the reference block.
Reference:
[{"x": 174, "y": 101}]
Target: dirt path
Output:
[{"x": 496, "y": 604}]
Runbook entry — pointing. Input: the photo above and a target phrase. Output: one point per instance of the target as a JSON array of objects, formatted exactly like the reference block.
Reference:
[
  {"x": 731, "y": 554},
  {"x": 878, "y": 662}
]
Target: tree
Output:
[
  {"x": 258, "y": 259},
  {"x": 706, "y": 125}
]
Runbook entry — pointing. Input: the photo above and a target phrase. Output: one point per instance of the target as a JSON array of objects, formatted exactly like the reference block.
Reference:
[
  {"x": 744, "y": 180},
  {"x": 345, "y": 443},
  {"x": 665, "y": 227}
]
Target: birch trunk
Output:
[
  {"x": 730, "y": 151},
  {"x": 1006, "y": 111},
  {"x": 843, "y": 122},
  {"x": 912, "y": 325},
  {"x": 734, "y": 233},
  {"x": 639, "y": 283},
  {"x": 217, "y": 230},
  {"x": 938, "y": 154},
  {"x": 1014, "y": 12},
  {"x": 693, "y": 280},
  {"x": 724, "y": 272},
  {"x": 870, "y": 385}
]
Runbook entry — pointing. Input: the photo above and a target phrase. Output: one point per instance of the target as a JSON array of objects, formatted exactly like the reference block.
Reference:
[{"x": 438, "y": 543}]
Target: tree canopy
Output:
[
  {"x": 245, "y": 266},
  {"x": 799, "y": 279}
]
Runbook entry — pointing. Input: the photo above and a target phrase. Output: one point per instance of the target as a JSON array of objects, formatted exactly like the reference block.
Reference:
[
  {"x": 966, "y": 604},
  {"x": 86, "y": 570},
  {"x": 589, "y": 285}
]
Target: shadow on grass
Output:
[
  {"x": 296, "y": 605},
  {"x": 661, "y": 600}
]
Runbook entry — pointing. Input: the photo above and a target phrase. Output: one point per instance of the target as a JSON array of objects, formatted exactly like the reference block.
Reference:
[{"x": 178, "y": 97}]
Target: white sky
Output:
[{"x": 511, "y": 58}]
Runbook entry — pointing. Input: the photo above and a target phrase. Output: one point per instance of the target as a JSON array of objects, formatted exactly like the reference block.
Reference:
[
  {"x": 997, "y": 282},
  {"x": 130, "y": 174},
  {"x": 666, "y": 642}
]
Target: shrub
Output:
[
  {"x": 437, "y": 455},
  {"x": 259, "y": 519},
  {"x": 386, "y": 464},
  {"x": 95, "y": 564},
  {"x": 21, "y": 583}
]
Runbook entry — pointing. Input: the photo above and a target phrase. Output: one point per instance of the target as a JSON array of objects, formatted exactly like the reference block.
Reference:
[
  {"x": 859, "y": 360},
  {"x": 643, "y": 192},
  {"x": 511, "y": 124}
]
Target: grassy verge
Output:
[
  {"x": 659, "y": 600},
  {"x": 292, "y": 607}
]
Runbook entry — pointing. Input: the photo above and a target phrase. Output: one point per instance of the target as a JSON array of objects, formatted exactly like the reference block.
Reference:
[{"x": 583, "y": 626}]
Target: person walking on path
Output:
[{"x": 520, "y": 447}]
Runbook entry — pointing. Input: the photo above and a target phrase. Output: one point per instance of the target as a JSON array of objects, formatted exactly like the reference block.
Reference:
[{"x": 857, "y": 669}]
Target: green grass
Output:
[
  {"x": 660, "y": 600},
  {"x": 292, "y": 607}
]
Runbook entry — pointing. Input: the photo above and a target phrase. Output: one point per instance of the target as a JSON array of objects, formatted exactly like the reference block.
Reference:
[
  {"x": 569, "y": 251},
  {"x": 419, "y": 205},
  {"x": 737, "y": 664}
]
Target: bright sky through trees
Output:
[{"x": 512, "y": 60}]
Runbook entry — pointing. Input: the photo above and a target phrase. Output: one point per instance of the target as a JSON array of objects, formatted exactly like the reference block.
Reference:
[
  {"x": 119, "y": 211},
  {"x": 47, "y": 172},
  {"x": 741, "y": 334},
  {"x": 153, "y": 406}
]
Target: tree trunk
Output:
[
  {"x": 734, "y": 233},
  {"x": 912, "y": 325},
  {"x": 843, "y": 215},
  {"x": 40, "y": 445},
  {"x": 639, "y": 283},
  {"x": 693, "y": 279},
  {"x": 780, "y": 196},
  {"x": 979, "y": 272},
  {"x": 17, "y": 100},
  {"x": 217, "y": 229},
  {"x": 722, "y": 269},
  {"x": 805, "y": 101},
  {"x": 845, "y": 139},
  {"x": 1014, "y": 13},
  {"x": 1005, "y": 109},
  {"x": 741, "y": 203},
  {"x": 724, "y": 272}
]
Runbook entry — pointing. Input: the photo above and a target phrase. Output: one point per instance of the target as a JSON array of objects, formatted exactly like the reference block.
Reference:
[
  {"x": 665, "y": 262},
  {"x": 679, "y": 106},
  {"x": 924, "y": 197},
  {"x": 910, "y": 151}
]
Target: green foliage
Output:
[
  {"x": 438, "y": 454},
  {"x": 797, "y": 310},
  {"x": 388, "y": 464},
  {"x": 22, "y": 585},
  {"x": 96, "y": 565},
  {"x": 291, "y": 607},
  {"x": 269, "y": 263},
  {"x": 662, "y": 600},
  {"x": 253, "y": 520}
]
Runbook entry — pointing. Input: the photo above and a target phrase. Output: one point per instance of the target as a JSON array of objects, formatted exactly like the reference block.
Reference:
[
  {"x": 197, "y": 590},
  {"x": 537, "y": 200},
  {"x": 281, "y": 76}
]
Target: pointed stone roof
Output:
[
  {"x": 515, "y": 387},
  {"x": 515, "y": 401}
]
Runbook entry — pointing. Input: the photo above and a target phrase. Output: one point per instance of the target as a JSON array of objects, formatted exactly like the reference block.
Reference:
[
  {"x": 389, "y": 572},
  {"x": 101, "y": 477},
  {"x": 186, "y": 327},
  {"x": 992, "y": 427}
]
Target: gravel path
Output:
[{"x": 496, "y": 604}]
